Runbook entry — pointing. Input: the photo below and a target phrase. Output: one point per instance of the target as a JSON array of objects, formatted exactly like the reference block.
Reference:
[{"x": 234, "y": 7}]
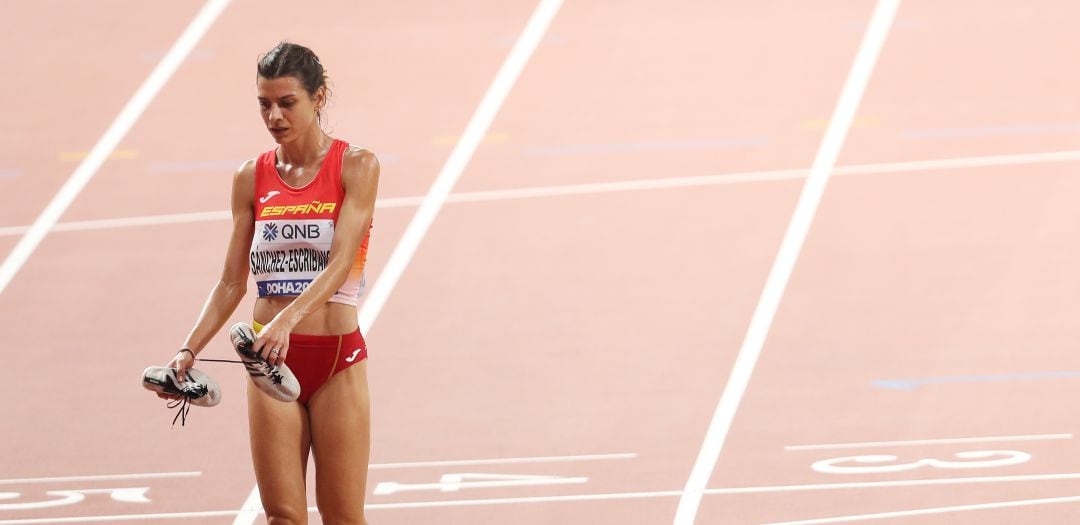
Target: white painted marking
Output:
[
  {"x": 599, "y": 187},
  {"x": 456, "y": 482},
  {"x": 886, "y": 463},
  {"x": 251, "y": 509},
  {"x": 104, "y": 477},
  {"x": 578, "y": 497},
  {"x": 174, "y": 218},
  {"x": 813, "y": 189},
  {"x": 501, "y": 461},
  {"x": 455, "y": 165},
  {"x": 935, "y": 510},
  {"x": 459, "y": 158},
  {"x": 67, "y": 497},
  {"x": 629, "y": 185},
  {"x": 108, "y": 142},
  {"x": 944, "y": 441},
  {"x": 130, "y": 495},
  {"x": 148, "y": 220},
  {"x": 961, "y": 162},
  {"x": 145, "y": 518},
  {"x": 71, "y": 497},
  {"x": 893, "y": 484}
]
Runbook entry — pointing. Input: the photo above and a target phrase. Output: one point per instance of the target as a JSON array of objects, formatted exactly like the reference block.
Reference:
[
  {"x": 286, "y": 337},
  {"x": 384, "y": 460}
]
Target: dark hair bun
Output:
[{"x": 288, "y": 59}]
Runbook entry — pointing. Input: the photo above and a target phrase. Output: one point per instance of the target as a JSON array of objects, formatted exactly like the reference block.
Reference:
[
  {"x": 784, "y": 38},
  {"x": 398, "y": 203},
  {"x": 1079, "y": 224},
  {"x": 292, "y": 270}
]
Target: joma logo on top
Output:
[{"x": 299, "y": 209}]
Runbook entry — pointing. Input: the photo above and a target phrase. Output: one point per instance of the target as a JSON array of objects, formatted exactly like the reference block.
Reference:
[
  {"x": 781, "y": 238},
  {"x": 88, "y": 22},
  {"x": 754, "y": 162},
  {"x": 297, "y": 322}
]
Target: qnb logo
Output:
[
  {"x": 300, "y": 231},
  {"x": 270, "y": 231}
]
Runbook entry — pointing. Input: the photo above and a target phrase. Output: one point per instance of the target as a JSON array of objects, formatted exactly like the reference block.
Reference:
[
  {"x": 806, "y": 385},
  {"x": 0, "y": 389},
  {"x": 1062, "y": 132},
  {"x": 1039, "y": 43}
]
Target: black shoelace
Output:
[
  {"x": 272, "y": 371},
  {"x": 185, "y": 407},
  {"x": 265, "y": 367},
  {"x": 191, "y": 390}
]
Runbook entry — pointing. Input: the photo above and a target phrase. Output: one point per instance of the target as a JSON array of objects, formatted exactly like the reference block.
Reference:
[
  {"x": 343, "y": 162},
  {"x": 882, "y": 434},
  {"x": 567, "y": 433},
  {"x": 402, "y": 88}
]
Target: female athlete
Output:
[{"x": 301, "y": 223}]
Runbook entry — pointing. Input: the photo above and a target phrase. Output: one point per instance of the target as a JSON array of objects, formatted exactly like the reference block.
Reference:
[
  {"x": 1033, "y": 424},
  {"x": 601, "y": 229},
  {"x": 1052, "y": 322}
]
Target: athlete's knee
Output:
[
  {"x": 332, "y": 517},
  {"x": 332, "y": 521},
  {"x": 286, "y": 516}
]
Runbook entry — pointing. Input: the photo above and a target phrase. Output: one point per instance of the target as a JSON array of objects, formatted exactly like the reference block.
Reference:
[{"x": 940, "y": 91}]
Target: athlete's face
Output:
[{"x": 287, "y": 109}]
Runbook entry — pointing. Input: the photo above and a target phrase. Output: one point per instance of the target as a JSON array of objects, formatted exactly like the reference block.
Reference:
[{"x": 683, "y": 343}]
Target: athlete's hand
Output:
[
  {"x": 182, "y": 361},
  {"x": 272, "y": 343}
]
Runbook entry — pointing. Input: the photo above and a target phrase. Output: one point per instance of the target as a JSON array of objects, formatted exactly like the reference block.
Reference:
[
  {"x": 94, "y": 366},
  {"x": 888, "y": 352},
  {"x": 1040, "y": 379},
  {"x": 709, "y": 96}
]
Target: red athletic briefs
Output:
[{"x": 314, "y": 359}]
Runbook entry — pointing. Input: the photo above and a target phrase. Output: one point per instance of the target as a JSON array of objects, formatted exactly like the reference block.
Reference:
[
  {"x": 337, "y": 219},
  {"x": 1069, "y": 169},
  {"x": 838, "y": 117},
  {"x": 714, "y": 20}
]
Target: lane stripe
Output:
[
  {"x": 455, "y": 165},
  {"x": 936, "y": 510},
  {"x": 600, "y": 187},
  {"x": 103, "y": 477},
  {"x": 501, "y": 461},
  {"x": 631, "y": 147},
  {"x": 779, "y": 275},
  {"x": 108, "y": 142},
  {"x": 579, "y": 497},
  {"x": 459, "y": 158},
  {"x": 913, "y": 383},
  {"x": 986, "y": 439}
]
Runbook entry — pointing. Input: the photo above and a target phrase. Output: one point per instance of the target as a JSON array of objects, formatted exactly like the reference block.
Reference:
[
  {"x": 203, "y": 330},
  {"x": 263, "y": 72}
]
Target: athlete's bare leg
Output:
[
  {"x": 341, "y": 441},
  {"x": 280, "y": 441}
]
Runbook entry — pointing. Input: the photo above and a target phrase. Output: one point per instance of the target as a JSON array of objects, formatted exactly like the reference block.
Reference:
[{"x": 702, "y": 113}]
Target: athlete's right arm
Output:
[{"x": 232, "y": 286}]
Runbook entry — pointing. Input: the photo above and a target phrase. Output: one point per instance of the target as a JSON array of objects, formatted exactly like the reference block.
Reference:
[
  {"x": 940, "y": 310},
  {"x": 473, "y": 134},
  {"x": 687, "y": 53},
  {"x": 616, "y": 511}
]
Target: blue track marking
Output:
[{"x": 912, "y": 384}]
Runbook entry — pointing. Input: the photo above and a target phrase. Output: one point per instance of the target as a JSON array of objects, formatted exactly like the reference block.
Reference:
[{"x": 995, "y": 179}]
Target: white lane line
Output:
[
  {"x": 251, "y": 508},
  {"x": 936, "y": 510},
  {"x": 599, "y": 187},
  {"x": 893, "y": 484},
  {"x": 813, "y": 189},
  {"x": 176, "y": 218},
  {"x": 127, "y": 222},
  {"x": 578, "y": 497},
  {"x": 505, "y": 481},
  {"x": 459, "y": 158},
  {"x": 914, "y": 442},
  {"x": 108, "y": 142},
  {"x": 501, "y": 461},
  {"x": 146, "y": 518},
  {"x": 960, "y": 162},
  {"x": 455, "y": 165},
  {"x": 103, "y": 477}
]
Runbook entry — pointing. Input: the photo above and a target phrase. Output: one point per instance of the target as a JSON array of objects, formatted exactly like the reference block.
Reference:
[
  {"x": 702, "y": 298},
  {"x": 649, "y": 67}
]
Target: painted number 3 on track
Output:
[{"x": 875, "y": 464}]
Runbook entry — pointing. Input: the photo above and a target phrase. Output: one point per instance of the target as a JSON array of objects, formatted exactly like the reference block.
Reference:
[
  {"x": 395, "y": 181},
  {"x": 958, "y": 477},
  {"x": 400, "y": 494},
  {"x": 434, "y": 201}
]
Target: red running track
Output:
[{"x": 554, "y": 352}]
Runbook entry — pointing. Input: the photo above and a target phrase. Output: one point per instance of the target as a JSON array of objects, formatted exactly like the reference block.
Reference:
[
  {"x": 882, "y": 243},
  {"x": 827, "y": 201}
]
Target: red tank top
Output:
[{"x": 294, "y": 229}]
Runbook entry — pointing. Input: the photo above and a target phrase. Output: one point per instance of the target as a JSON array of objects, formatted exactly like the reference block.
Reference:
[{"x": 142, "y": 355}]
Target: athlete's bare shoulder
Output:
[
  {"x": 359, "y": 166},
  {"x": 358, "y": 156},
  {"x": 247, "y": 169},
  {"x": 244, "y": 183}
]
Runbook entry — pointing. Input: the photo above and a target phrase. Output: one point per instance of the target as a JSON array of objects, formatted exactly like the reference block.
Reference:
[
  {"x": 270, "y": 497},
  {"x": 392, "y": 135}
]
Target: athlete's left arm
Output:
[{"x": 360, "y": 178}]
